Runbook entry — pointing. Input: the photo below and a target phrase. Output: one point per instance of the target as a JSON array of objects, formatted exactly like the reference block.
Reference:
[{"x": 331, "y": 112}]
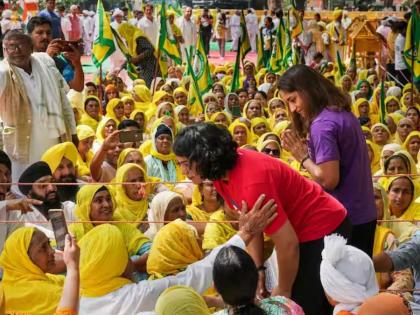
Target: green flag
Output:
[
  {"x": 278, "y": 56},
  {"x": 103, "y": 45},
  {"x": 412, "y": 45},
  {"x": 297, "y": 27},
  {"x": 201, "y": 68},
  {"x": 235, "y": 80},
  {"x": 260, "y": 50},
  {"x": 340, "y": 65},
  {"x": 195, "y": 102},
  {"x": 244, "y": 43},
  {"x": 167, "y": 41},
  {"x": 382, "y": 109},
  {"x": 131, "y": 68},
  {"x": 353, "y": 56}
]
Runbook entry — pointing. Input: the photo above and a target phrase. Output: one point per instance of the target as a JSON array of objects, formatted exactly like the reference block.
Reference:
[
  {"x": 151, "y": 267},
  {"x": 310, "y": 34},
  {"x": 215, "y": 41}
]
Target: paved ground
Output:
[{"x": 89, "y": 68}]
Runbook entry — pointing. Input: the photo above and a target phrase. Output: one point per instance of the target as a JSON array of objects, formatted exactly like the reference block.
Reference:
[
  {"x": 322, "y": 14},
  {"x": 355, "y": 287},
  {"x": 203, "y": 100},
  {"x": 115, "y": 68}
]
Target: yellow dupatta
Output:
[
  {"x": 103, "y": 259},
  {"x": 238, "y": 123},
  {"x": 375, "y": 163},
  {"x": 100, "y": 130},
  {"x": 27, "y": 289},
  {"x": 254, "y": 122},
  {"x": 133, "y": 238},
  {"x": 110, "y": 109},
  {"x": 83, "y": 167},
  {"x": 174, "y": 247},
  {"x": 217, "y": 233},
  {"x": 127, "y": 209}
]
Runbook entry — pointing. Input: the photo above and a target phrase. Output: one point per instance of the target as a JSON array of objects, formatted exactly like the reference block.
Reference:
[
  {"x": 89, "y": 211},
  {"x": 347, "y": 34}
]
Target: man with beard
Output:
[
  {"x": 61, "y": 159},
  {"x": 10, "y": 206},
  {"x": 67, "y": 62},
  {"x": 40, "y": 186}
]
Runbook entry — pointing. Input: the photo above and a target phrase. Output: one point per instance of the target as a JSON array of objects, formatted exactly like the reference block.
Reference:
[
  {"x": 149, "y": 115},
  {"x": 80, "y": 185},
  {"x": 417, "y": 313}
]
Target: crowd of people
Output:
[{"x": 296, "y": 193}]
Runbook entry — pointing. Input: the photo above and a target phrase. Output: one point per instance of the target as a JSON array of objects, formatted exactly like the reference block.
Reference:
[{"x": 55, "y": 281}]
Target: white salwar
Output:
[
  {"x": 150, "y": 29},
  {"x": 141, "y": 297},
  {"x": 235, "y": 30},
  {"x": 7, "y": 228},
  {"x": 88, "y": 25},
  {"x": 65, "y": 26},
  {"x": 251, "y": 20}
]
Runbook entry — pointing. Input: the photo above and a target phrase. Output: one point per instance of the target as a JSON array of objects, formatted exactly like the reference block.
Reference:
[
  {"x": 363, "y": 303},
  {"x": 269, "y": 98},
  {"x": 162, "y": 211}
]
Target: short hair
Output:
[
  {"x": 241, "y": 91},
  {"x": 263, "y": 94},
  {"x": 149, "y": 5},
  {"x": 128, "y": 123},
  {"x": 211, "y": 147},
  {"x": 91, "y": 84},
  {"x": 16, "y": 34},
  {"x": 37, "y": 21},
  {"x": 5, "y": 160}
]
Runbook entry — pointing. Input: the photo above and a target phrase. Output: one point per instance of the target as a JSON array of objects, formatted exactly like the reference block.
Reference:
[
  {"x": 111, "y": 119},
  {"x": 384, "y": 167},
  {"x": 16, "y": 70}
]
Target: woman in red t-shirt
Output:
[{"x": 305, "y": 212}]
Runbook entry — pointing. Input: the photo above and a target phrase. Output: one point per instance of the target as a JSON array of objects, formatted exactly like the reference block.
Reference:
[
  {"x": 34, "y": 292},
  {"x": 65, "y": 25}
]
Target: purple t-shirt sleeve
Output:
[{"x": 323, "y": 141}]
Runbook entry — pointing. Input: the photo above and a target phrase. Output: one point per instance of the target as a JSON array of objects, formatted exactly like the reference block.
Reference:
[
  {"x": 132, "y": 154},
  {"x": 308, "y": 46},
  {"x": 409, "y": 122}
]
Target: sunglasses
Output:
[{"x": 274, "y": 152}]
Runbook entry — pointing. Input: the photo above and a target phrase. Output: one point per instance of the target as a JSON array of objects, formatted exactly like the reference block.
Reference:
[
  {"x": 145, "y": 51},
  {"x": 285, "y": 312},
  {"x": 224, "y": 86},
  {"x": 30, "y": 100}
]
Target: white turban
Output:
[
  {"x": 394, "y": 91},
  {"x": 117, "y": 12},
  {"x": 347, "y": 274},
  {"x": 7, "y": 14}
]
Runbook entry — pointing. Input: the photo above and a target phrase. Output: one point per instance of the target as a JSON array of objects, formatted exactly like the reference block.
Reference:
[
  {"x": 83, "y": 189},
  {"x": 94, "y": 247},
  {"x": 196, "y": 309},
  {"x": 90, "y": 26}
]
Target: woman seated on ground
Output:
[
  {"x": 413, "y": 114},
  {"x": 270, "y": 147},
  {"x": 347, "y": 275},
  {"x": 92, "y": 115},
  {"x": 240, "y": 133},
  {"x": 175, "y": 247},
  {"x": 259, "y": 126},
  {"x": 106, "y": 127},
  {"x": 165, "y": 206},
  {"x": 104, "y": 283},
  {"x": 115, "y": 110},
  {"x": 86, "y": 136},
  {"x": 374, "y": 156},
  {"x": 399, "y": 163},
  {"x": 404, "y": 127},
  {"x": 402, "y": 194},
  {"x": 412, "y": 144},
  {"x": 29, "y": 288},
  {"x": 386, "y": 152},
  {"x": 380, "y": 134},
  {"x": 221, "y": 119},
  {"x": 96, "y": 203},
  {"x": 206, "y": 201},
  {"x": 386, "y": 240},
  {"x": 161, "y": 161},
  {"x": 235, "y": 279}
]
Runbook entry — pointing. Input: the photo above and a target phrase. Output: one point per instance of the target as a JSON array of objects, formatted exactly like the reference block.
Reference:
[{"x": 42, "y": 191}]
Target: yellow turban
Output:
[
  {"x": 27, "y": 289},
  {"x": 337, "y": 13},
  {"x": 103, "y": 259},
  {"x": 181, "y": 300},
  {"x": 84, "y": 132},
  {"x": 56, "y": 153},
  {"x": 174, "y": 247},
  {"x": 130, "y": 210}
]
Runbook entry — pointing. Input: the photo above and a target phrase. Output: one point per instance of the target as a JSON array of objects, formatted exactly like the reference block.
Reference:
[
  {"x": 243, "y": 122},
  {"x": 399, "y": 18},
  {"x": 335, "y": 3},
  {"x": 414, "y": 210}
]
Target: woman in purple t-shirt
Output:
[{"x": 327, "y": 140}]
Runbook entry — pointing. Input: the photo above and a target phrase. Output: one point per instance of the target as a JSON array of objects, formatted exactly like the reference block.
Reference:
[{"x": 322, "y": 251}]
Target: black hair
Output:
[
  {"x": 264, "y": 95},
  {"x": 90, "y": 83},
  {"x": 318, "y": 93},
  {"x": 279, "y": 13},
  {"x": 241, "y": 91},
  {"x": 398, "y": 156},
  {"x": 5, "y": 160},
  {"x": 363, "y": 120},
  {"x": 318, "y": 55},
  {"x": 211, "y": 147},
  {"x": 37, "y": 21},
  {"x": 413, "y": 108},
  {"x": 128, "y": 123},
  {"x": 18, "y": 35},
  {"x": 235, "y": 278},
  {"x": 405, "y": 177}
]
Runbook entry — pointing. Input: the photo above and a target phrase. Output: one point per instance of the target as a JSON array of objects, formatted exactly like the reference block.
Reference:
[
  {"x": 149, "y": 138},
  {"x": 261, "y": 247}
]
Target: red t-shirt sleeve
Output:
[{"x": 253, "y": 192}]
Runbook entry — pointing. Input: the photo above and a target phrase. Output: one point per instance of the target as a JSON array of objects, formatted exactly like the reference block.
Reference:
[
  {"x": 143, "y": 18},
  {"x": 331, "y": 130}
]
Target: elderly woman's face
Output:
[
  {"x": 221, "y": 119},
  {"x": 101, "y": 208},
  {"x": 346, "y": 84},
  {"x": 239, "y": 135},
  {"x": 380, "y": 135},
  {"x": 253, "y": 110},
  {"x": 119, "y": 110},
  {"x": 405, "y": 126},
  {"x": 392, "y": 106},
  {"x": 275, "y": 104},
  {"x": 40, "y": 251},
  {"x": 414, "y": 146},
  {"x": 164, "y": 144},
  {"x": 181, "y": 98},
  {"x": 260, "y": 129},
  {"x": 364, "y": 109},
  {"x": 136, "y": 190},
  {"x": 396, "y": 166},
  {"x": 211, "y": 108},
  {"x": 379, "y": 203},
  {"x": 139, "y": 117},
  {"x": 135, "y": 157},
  {"x": 218, "y": 89},
  {"x": 175, "y": 210},
  {"x": 413, "y": 116},
  {"x": 184, "y": 116}
]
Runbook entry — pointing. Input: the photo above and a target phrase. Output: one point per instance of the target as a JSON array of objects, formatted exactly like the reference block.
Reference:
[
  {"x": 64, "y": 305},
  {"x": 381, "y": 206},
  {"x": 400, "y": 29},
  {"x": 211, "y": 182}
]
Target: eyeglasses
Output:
[
  {"x": 13, "y": 47},
  {"x": 274, "y": 152}
]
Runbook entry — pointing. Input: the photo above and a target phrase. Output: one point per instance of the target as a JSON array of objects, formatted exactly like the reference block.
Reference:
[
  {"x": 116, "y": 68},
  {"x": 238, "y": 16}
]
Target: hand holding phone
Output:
[{"x": 58, "y": 222}]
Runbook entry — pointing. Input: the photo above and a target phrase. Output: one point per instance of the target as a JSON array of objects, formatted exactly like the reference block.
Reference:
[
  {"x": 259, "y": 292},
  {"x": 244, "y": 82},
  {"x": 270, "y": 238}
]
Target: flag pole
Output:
[
  {"x": 412, "y": 56},
  {"x": 156, "y": 72}
]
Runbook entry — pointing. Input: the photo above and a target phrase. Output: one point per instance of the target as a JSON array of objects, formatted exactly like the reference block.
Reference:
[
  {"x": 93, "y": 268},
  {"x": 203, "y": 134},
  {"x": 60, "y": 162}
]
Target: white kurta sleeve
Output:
[{"x": 197, "y": 276}]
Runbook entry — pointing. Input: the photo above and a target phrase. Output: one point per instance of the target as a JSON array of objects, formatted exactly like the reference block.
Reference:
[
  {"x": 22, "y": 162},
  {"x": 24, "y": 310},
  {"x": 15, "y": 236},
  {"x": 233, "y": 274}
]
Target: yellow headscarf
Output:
[
  {"x": 383, "y": 126},
  {"x": 123, "y": 155},
  {"x": 216, "y": 114},
  {"x": 218, "y": 233},
  {"x": 237, "y": 123},
  {"x": 103, "y": 259},
  {"x": 110, "y": 109},
  {"x": 56, "y": 153},
  {"x": 280, "y": 127},
  {"x": 174, "y": 247},
  {"x": 100, "y": 130},
  {"x": 153, "y": 106},
  {"x": 145, "y": 96},
  {"x": 128, "y": 209},
  {"x": 407, "y": 87},
  {"x": 180, "y": 89},
  {"x": 256, "y": 121},
  {"x": 246, "y": 108},
  {"x": 133, "y": 238},
  {"x": 83, "y": 167},
  {"x": 337, "y": 13},
  {"x": 409, "y": 137},
  {"x": 374, "y": 165},
  {"x": 271, "y": 101},
  {"x": 392, "y": 98},
  {"x": 181, "y": 300},
  {"x": 263, "y": 144},
  {"x": 86, "y": 119},
  {"x": 130, "y": 33},
  {"x": 27, "y": 289}
]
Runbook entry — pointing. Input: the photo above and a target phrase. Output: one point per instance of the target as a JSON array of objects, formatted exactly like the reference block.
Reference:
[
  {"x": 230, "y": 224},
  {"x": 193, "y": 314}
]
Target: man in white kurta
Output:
[
  {"x": 235, "y": 29},
  {"x": 188, "y": 30},
  {"x": 88, "y": 25},
  {"x": 34, "y": 108},
  {"x": 251, "y": 20},
  {"x": 150, "y": 25}
]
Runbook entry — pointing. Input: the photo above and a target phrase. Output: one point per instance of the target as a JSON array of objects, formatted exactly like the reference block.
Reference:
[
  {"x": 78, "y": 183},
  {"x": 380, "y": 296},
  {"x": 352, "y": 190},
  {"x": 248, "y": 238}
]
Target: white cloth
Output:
[
  {"x": 189, "y": 33},
  {"x": 7, "y": 229},
  {"x": 150, "y": 29},
  {"x": 65, "y": 26},
  {"x": 142, "y": 297},
  {"x": 88, "y": 25},
  {"x": 347, "y": 274},
  {"x": 235, "y": 30},
  {"x": 399, "y": 48},
  {"x": 44, "y": 87},
  {"x": 251, "y": 20}
]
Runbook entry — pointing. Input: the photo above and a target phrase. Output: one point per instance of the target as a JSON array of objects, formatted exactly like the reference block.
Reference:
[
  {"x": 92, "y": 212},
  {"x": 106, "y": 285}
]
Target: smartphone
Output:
[
  {"x": 66, "y": 44},
  {"x": 236, "y": 111},
  {"x": 131, "y": 136},
  {"x": 58, "y": 222}
]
